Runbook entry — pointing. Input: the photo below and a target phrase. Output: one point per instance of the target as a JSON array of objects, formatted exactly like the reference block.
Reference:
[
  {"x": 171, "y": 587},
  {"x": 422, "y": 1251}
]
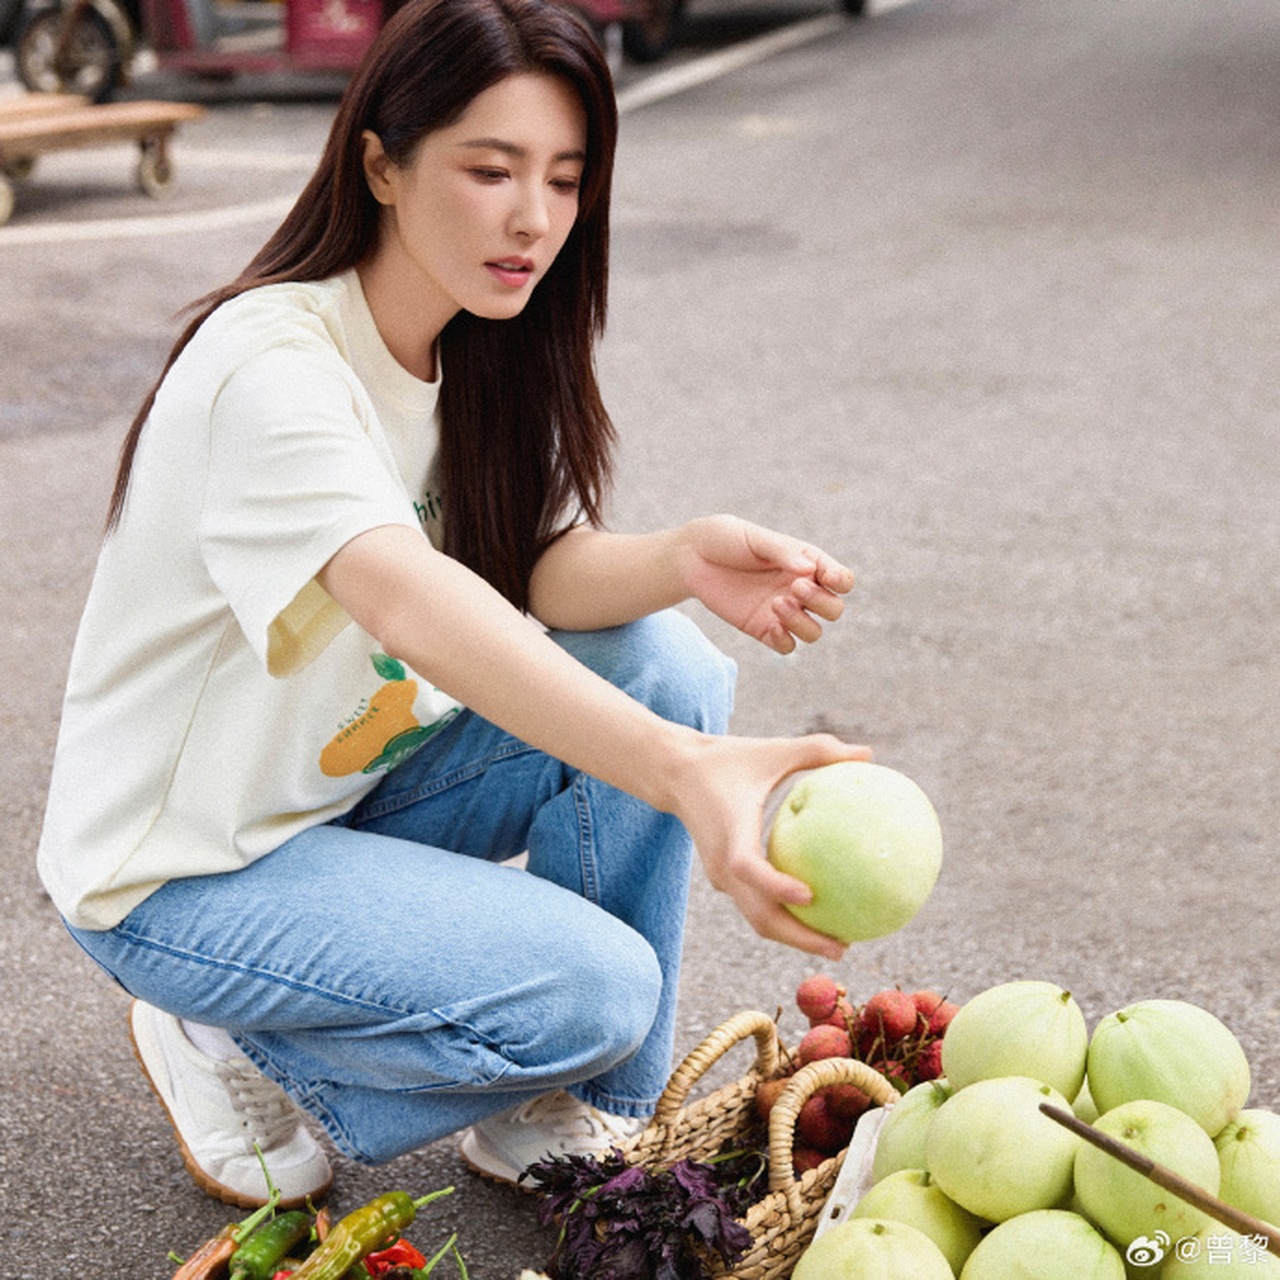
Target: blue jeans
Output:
[{"x": 397, "y": 981}]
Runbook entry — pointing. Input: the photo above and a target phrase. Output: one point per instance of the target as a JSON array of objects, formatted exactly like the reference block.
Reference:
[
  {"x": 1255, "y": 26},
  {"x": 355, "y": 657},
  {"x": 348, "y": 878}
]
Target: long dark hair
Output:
[{"x": 526, "y": 444}]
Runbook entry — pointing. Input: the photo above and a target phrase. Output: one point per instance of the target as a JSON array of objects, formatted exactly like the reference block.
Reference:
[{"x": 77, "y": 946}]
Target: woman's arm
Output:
[
  {"x": 768, "y": 585},
  {"x": 590, "y": 578},
  {"x": 455, "y": 630}
]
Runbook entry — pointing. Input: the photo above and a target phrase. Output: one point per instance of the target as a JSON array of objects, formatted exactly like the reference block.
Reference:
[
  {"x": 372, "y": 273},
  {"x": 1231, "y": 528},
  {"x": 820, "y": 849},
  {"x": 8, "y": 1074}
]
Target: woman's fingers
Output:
[
  {"x": 802, "y": 609},
  {"x": 771, "y": 919},
  {"x": 762, "y": 894},
  {"x": 796, "y": 621},
  {"x": 817, "y": 599}
]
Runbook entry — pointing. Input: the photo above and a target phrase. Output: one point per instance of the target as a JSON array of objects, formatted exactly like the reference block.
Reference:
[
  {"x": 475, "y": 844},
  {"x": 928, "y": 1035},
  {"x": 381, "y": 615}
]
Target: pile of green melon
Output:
[{"x": 971, "y": 1179}]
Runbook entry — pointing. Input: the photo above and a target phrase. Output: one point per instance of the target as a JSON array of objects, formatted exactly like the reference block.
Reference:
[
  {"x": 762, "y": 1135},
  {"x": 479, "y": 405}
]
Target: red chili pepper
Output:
[{"x": 402, "y": 1253}]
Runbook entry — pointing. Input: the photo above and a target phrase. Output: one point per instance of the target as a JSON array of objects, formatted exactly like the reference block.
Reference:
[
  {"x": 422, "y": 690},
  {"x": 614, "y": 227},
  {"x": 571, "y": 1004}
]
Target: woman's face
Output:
[{"x": 485, "y": 204}]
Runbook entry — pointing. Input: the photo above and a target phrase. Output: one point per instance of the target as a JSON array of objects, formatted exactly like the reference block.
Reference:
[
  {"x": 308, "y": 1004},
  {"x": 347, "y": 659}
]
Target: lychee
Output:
[
  {"x": 823, "y": 1041},
  {"x": 805, "y": 1158},
  {"x": 894, "y": 1010},
  {"x": 843, "y": 1016},
  {"x": 928, "y": 1063},
  {"x": 846, "y": 1100},
  {"x": 894, "y": 1072},
  {"x": 768, "y": 1093},
  {"x": 820, "y": 1127},
  {"x": 887, "y": 1017},
  {"x": 816, "y": 996},
  {"x": 925, "y": 1002},
  {"x": 941, "y": 1017}
]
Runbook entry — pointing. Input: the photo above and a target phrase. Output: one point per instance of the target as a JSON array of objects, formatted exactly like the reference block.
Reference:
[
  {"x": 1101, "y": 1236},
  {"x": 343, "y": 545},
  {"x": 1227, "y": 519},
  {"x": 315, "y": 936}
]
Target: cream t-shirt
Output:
[{"x": 219, "y": 700}]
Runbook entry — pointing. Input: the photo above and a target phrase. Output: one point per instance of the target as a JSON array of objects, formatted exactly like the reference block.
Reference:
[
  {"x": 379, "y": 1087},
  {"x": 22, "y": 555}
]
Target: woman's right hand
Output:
[
  {"x": 721, "y": 802},
  {"x": 498, "y": 663}
]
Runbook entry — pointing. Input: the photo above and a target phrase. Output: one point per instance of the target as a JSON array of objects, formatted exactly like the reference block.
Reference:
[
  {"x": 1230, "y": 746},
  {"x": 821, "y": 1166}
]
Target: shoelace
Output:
[
  {"x": 566, "y": 1115},
  {"x": 269, "y": 1117}
]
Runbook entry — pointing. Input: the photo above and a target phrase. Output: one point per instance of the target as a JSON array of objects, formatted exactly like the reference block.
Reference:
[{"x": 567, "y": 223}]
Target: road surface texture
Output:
[{"x": 981, "y": 295}]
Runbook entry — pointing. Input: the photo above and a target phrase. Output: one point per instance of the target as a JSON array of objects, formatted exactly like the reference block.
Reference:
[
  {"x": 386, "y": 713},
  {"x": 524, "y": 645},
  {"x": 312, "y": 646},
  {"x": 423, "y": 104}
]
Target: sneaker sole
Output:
[
  {"x": 467, "y": 1150},
  {"x": 210, "y": 1186}
]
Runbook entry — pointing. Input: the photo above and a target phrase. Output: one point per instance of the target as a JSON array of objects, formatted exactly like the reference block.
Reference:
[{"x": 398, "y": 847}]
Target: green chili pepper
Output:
[
  {"x": 257, "y": 1257},
  {"x": 376, "y": 1226}
]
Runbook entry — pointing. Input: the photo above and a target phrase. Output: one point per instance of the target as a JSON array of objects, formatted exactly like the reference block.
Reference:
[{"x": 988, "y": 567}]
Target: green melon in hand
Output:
[{"x": 866, "y": 840}]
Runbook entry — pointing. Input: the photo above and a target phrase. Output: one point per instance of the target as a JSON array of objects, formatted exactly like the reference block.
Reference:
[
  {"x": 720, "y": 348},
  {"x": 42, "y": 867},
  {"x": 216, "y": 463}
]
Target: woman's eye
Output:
[
  {"x": 489, "y": 175},
  {"x": 569, "y": 186}
]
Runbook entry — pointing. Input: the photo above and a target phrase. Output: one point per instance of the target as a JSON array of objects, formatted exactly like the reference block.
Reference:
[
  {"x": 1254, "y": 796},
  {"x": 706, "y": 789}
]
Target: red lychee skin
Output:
[
  {"x": 891, "y": 1070},
  {"x": 888, "y": 1017},
  {"x": 940, "y": 1018},
  {"x": 805, "y": 1158},
  {"x": 847, "y": 1101},
  {"x": 819, "y": 1127},
  {"x": 894, "y": 1010},
  {"x": 928, "y": 1063},
  {"x": 925, "y": 1002},
  {"x": 844, "y": 1016},
  {"x": 823, "y": 1042},
  {"x": 767, "y": 1094},
  {"x": 817, "y": 996}
]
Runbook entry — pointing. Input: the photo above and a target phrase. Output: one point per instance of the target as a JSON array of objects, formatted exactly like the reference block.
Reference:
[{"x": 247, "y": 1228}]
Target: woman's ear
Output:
[{"x": 376, "y": 166}]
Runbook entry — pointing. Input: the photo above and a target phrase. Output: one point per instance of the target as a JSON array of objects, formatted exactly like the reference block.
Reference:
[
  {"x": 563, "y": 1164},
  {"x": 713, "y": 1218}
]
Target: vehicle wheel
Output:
[
  {"x": 856, "y": 8},
  {"x": 91, "y": 65},
  {"x": 646, "y": 39},
  {"x": 155, "y": 172},
  {"x": 19, "y": 168}
]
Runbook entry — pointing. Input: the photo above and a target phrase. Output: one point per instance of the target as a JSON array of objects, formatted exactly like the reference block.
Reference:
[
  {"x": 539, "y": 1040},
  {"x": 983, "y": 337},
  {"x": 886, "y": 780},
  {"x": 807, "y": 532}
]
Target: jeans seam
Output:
[
  {"x": 268, "y": 975},
  {"x": 586, "y": 842},
  {"x": 612, "y": 1103}
]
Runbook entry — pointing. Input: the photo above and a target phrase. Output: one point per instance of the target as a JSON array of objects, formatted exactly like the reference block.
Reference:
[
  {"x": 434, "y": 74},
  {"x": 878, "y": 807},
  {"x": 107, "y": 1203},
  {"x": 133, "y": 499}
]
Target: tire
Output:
[
  {"x": 155, "y": 171},
  {"x": 92, "y": 65},
  {"x": 19, "y": 169},
  {"x": 647, "y": 39}
]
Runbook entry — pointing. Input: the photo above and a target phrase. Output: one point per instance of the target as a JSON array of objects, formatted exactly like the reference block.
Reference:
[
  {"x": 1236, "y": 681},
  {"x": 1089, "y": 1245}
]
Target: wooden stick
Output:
[{"x": 1240, "y": 1222}]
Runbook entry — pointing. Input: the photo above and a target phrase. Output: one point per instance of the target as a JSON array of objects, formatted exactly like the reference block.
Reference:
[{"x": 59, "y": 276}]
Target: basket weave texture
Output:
[{"x": 783, "y": 1222}]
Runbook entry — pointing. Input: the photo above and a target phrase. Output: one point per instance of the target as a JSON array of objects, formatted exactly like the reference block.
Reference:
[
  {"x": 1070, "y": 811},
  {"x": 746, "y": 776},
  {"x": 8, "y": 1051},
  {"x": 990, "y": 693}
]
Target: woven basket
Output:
[{"x": 783, "y": 1222}]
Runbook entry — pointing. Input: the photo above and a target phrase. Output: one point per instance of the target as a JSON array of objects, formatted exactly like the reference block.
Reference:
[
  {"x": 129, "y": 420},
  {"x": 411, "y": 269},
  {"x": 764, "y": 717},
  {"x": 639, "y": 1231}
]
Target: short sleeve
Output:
[{"x": 297, "y": 468}]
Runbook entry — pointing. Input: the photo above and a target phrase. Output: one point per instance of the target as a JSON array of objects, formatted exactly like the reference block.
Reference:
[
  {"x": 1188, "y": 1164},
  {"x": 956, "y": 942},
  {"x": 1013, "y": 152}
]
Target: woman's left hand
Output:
[{"x": 772, "y": 587}]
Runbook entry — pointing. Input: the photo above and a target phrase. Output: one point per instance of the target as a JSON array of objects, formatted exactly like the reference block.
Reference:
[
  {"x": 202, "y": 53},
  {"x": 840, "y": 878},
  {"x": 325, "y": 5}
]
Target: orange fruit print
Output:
[{"x": 383, "y": 732}]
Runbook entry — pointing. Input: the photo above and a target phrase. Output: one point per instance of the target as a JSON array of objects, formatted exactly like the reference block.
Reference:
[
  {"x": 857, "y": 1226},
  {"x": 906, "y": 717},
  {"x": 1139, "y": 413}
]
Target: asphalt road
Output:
[{"x": 982, "y": 295}]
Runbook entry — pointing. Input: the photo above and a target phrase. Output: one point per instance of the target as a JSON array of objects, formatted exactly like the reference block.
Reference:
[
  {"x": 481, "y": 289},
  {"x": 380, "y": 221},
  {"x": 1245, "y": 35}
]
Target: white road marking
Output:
[
  {"x": 653, "y": 88},
  {"x": 132, "y": 228},
  {"x": 666, "y": 84},
  {"x": 263, "y": 161}
]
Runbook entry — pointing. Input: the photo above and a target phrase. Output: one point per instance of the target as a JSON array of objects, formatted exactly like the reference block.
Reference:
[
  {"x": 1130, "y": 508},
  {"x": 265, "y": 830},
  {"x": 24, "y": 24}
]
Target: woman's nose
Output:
[{"x": 530, "y": 217}]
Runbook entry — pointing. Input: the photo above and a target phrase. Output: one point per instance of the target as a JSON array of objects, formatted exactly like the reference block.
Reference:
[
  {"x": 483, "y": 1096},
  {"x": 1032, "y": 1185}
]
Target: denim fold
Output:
[{"x": 400, "y": 979}]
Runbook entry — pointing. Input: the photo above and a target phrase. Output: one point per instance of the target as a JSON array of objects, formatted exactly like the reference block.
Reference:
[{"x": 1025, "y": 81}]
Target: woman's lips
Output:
[{"x": 511, "y": 271}]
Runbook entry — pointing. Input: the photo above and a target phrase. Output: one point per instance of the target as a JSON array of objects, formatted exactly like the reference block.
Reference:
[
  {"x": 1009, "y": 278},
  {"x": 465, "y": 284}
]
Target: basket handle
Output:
[
  {"x": 710, "y": 1051},
  {"x": 786, "y": 1110}
]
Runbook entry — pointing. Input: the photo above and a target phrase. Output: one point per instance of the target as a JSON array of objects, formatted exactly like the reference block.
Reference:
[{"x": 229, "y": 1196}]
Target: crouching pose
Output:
[{"x": 358, "y": 637}]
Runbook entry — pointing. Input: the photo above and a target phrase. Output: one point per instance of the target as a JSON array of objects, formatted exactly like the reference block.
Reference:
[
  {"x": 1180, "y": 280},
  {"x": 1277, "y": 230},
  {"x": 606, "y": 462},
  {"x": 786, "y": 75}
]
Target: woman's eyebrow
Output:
[{"x": 514, "y": 150}]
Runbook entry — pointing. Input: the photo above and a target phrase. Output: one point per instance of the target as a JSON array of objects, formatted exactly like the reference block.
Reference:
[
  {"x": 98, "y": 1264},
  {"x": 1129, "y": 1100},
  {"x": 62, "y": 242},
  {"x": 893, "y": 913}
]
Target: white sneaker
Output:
[
  {"x": 219, "y": 1110},
  {"x": 502, "y": 1147}
]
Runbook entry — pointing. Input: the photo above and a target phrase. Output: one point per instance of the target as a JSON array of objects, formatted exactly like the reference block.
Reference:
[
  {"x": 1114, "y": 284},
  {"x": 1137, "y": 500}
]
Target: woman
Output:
[{"x": 357, "y": 637}]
